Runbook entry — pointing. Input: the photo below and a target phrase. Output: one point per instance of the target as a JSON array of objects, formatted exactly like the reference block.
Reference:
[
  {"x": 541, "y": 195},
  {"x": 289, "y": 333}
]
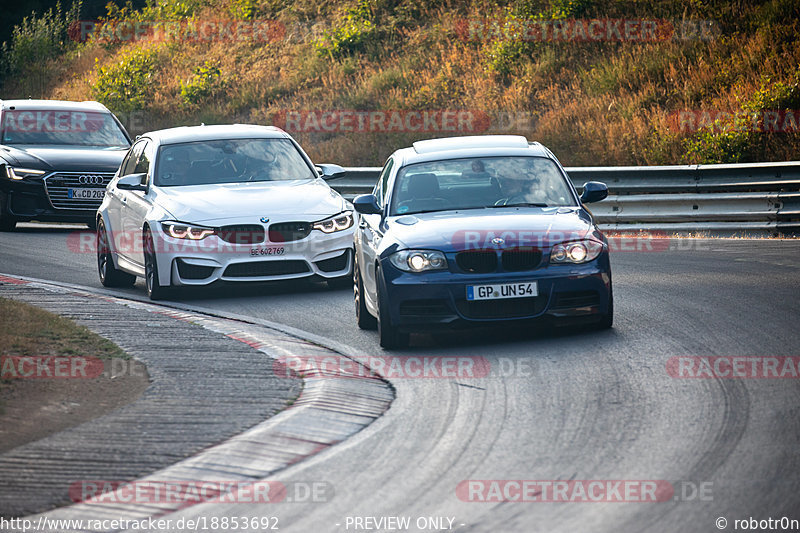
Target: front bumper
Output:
[
  {"x": 195, "y": 263},
  {"x": 434, "y": 300}
]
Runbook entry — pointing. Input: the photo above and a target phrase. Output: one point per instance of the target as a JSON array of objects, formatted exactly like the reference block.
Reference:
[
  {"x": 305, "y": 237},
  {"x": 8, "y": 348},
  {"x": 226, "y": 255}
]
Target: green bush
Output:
[
  {"x": 205, "y": 81},
  {"x": 37, "y": 40},
  {"x": 735, "y": 140},
  {"x": 127, "y": 85},
  {"x": 358, "y": 33},
  {"x": 154, "y": 10}
]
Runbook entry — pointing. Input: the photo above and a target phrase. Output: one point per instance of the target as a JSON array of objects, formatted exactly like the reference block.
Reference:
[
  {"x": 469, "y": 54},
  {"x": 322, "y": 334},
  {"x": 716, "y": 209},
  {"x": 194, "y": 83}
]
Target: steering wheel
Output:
[
  {"x": 513, "y": 199},
  {"x": 423, "y": 204}
]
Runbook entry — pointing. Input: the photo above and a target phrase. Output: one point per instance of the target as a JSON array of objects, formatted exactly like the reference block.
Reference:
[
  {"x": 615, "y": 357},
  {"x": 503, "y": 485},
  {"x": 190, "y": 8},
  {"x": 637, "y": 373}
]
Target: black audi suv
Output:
[{"x": 56, "y": 158}]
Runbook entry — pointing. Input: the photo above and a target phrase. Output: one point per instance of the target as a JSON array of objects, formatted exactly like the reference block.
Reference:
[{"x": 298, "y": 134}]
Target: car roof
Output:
[
  {"x": 53, "y": 105},
  {"x": 185, "y": 134},
  {"x": 470, "y": 146}
]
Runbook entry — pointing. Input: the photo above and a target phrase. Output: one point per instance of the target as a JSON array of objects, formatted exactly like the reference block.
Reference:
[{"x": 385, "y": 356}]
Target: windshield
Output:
[
  {"x": 62, "y": 127},
  {"x": 230, "y": 161},
  {"x": 484, "y": 182}
]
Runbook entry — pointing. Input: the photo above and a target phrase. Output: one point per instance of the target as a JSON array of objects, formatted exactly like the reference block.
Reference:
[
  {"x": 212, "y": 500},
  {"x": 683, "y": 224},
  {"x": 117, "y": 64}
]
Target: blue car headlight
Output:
[
  {"x": 418, "y": 260},
  {"x": 576, "y": 251}
]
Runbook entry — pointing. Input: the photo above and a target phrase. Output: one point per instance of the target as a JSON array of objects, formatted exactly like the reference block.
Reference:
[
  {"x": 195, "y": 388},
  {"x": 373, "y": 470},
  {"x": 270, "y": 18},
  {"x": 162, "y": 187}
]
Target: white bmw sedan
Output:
[{"x": 193, "y": 205}]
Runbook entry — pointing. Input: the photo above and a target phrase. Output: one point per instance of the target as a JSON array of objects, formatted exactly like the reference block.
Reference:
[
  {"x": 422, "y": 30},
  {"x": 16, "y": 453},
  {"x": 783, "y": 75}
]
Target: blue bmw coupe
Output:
[{"x": 475, "y": 230}]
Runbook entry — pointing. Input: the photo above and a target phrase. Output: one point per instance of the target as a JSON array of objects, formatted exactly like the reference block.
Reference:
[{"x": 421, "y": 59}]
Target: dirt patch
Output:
[{"x": 57, "y": 374}]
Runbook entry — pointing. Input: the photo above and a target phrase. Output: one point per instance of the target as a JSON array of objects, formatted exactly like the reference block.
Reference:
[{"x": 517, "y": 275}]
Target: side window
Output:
[
  {"x": 143, "y": 165},
  {"x": 130, "y": 160},
  {"x": 383, "y": 180}
]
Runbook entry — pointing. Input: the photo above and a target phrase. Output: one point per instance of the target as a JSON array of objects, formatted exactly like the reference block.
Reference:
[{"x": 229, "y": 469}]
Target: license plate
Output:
[
  {"x": 86, "y": 194},
  {"x": 496, "y": 291},
  {"x": 272, "y": 250}
]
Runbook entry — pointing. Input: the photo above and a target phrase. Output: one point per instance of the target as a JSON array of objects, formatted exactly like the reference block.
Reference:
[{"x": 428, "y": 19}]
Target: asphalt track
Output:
[{"x": 557, "y": 405}]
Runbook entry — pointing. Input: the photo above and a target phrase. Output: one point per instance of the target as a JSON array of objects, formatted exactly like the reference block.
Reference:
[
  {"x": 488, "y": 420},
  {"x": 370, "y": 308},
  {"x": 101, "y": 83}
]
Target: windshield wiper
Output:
[{"x": 518, "y": 204}]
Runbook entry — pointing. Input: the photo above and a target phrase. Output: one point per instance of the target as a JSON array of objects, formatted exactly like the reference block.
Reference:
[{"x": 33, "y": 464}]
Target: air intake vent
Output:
[
  {"x": 242, "y": 234},
  {"x": 477, "y": 261},
  {"x": 289, "y": 231}
]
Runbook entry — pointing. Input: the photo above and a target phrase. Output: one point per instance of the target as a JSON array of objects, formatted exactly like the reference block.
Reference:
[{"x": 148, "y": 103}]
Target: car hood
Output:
[
  {"x": 277, "y": 200},
  {"x": 475, "y": 229},
  {"x": 66, "y": 158}
]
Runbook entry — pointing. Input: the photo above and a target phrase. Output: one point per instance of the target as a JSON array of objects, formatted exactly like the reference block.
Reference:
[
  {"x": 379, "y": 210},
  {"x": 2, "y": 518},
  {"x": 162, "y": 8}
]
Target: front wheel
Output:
[
  {"x": 607, "y": 320},
  {"x": 6, "y": 222},
  {"x": 154, "y": 290},
  {"x": 390, "y": 335}
]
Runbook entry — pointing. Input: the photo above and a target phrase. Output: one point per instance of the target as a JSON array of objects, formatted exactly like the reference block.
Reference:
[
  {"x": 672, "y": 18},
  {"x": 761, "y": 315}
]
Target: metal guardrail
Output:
[{"x": 735, "y": 199}]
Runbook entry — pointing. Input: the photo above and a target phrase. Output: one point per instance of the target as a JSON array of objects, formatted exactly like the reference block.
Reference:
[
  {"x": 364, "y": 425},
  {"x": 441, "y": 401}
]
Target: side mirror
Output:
[
  {"x": 132, "y": 182},
  {"x": 367, "y": 204},
  {"x": 594, "y": 191},
  {"x": 328, "y": 171}
]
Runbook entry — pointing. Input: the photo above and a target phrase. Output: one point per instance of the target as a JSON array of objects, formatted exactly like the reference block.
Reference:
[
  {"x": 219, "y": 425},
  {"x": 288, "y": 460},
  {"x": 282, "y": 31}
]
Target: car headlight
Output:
[
  {"x": 178, "y": 230},
  {"x": 418, "y": 260},
  {"x": 576, "y": 252},
  {"x": 16, "y": 173},
  {"x": 340, "y": 222}
]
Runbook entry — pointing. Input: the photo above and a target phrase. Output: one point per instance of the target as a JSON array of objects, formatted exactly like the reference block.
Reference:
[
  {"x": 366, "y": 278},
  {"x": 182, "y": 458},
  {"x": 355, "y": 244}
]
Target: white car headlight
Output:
[
  {"x": 418, "y": 260},
  {"x": 340, "y": 222},
  {"x": 576, "y": 252},
  {"x": 179, "y": 230},
  {"x": 16, "y": 173}
]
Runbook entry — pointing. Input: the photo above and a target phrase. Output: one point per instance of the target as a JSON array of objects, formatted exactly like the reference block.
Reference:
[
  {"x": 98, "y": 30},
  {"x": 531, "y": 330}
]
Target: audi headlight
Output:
[
  {"x": 16, "y": 173},
  {"x": 178, "y": 230},
  {"x": 418, "y": 260},
  {"x": 576, "y": 252},
  {"x": 340, "y": 222}
]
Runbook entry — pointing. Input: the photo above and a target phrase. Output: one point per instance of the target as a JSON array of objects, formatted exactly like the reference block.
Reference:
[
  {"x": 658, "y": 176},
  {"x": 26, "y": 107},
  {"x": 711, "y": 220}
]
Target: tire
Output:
[
  {"x": 390, "y": 336},
  {"x": 363, "y": 317},
  {"x": 6, "y": 223},
  {"x": 607, "y": 320},
  {"x": 110, "y": 276},
  {"x": 154, "y": 290}
]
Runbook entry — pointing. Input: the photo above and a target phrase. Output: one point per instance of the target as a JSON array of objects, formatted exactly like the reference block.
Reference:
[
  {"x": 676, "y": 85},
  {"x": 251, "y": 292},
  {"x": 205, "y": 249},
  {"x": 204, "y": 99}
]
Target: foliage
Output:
[
  {"x": 205, "y": 81},
  {"x": 126, "y": 85},
  {"x": 39, "y": 39}
]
